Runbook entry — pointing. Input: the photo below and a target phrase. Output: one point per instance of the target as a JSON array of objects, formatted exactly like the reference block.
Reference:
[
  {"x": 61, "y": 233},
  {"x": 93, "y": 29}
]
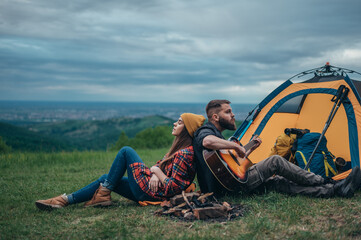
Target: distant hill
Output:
[
  {"x": 24, "y": 140},
  {"x": 76, "y": 134}
]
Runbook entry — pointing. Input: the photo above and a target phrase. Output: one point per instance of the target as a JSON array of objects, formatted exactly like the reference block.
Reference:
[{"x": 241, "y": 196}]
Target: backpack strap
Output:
[
  {"x": 327, "y": 165},
  {"x": 331, "y": 169},
  {"x": 292, "y": 158},
  {"x": 304, "y": 159}
]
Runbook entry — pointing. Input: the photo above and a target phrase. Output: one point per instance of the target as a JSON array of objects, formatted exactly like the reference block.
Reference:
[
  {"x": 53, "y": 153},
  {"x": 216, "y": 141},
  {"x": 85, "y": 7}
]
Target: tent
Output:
[{"x": 307, "y": 105}]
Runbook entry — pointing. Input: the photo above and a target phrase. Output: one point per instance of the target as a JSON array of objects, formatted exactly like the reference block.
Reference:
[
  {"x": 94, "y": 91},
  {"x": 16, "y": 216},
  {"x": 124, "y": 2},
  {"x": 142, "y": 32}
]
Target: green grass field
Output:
[{"x": 27, "y": 177}]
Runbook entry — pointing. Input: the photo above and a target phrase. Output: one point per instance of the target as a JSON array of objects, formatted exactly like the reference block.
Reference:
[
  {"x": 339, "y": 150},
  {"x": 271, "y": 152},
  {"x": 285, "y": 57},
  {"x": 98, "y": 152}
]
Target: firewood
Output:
[
  {"x": 172, "y": 210},
  {"x": 180, "y": 205},
  {"x": 166, "y": 204},
  {"x": 204, "y": 196},
  {"x": 186, "y": 200},
  {"x": 169, "y": 212},
  {"x": 189, "y": 216},
  {"x": 195, "y": 206},
  {"x": 178, "y": 199},
  {"x": 159, "y": 212},
  {"x": 227, "y": 205},
  {"x": 210, "y": 212},
  {"x": 184, "y": 211},
  {"x": 178, "y": 213}
]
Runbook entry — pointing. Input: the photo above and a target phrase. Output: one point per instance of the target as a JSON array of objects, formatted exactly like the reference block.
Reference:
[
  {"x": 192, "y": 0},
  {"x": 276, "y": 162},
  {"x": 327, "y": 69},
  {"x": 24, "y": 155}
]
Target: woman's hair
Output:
[{"x": 183, "y": 140}]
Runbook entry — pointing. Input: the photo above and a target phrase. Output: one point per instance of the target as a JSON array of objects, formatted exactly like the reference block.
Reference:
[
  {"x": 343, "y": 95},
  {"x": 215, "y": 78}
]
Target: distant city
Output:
[{"x": 38, "y": 111}]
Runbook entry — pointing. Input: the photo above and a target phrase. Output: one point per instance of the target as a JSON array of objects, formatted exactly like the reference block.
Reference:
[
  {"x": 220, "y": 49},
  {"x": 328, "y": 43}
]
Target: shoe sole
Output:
[
  {"x": 101, "y": 204},
  {"x": 47, "y": 207},
  {"x": 352, "y": 186}
]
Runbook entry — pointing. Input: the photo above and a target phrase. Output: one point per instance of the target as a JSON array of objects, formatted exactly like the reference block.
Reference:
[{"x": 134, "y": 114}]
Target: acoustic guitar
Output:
[{"x": 227, "y": 167}]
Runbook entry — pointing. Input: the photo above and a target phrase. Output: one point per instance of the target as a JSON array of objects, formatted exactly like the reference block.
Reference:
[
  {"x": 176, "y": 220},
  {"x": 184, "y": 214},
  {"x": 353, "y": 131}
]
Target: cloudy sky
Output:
[{"x": 169, "y": 50}]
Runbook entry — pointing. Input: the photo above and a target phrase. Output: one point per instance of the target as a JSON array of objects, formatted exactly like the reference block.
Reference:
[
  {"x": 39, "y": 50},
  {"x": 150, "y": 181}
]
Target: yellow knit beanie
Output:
[{"x": 192, "y": 122}]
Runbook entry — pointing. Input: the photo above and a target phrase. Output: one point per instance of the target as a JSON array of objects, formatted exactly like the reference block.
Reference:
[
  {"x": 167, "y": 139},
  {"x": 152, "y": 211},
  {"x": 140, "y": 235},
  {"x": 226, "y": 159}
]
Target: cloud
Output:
[{"x": 161, "y": 50}]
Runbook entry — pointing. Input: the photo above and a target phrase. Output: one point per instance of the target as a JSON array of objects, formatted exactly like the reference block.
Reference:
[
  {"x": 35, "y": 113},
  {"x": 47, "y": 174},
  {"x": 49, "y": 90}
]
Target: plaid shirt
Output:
[{"x": 180, "y": 173}]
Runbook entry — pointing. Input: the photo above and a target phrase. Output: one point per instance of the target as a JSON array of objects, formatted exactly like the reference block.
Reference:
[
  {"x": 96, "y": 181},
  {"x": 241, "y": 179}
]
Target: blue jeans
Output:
[{"x": 115, "y": 180}]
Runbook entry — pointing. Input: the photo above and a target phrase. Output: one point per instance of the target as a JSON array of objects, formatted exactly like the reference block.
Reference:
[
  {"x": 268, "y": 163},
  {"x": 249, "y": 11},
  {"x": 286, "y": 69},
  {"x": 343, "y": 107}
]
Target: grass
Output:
[{"x": 27, "y": 177}]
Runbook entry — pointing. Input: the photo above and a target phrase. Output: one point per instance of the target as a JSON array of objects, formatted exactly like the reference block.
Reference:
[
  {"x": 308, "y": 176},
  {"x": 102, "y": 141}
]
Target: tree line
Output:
[{"x": 150, "y": 138}]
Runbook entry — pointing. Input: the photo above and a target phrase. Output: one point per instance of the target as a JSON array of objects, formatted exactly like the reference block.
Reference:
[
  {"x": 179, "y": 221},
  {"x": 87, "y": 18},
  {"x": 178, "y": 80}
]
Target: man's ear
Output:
[{"x": 215, "y": 117}]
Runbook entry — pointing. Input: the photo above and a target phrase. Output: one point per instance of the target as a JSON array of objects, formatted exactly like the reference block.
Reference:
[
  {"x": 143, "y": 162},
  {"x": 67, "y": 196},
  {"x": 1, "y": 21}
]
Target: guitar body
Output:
[
  {"x": 229, "y": 169},
  {"x": 237, "y": 165}
]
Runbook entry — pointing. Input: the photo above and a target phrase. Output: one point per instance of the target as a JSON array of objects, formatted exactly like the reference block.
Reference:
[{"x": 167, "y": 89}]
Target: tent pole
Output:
[{"x": 342, "y": 93}]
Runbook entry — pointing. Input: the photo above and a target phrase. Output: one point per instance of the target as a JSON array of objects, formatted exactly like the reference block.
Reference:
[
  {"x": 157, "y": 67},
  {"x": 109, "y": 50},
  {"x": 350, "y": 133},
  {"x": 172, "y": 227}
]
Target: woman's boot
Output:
[
  {"x": 101, "y": 198},
  {"x": 52, "y": 203}
]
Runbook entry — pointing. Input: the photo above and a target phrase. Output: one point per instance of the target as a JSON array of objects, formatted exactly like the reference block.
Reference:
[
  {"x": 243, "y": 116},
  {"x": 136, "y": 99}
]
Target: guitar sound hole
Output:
[{"x": 234, "y": 158}]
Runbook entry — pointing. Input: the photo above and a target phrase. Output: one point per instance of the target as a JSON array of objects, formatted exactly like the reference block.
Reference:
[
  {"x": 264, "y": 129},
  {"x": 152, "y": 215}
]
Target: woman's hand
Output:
[
  {"x": 159, "y": 174},
  {"x": 154, "y": 183},
  {"x": 154, "y": 169}
]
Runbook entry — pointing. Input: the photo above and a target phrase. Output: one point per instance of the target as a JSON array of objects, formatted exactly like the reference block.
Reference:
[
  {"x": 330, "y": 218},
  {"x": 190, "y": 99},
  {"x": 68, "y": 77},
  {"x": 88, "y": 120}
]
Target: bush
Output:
[
  {"x": 122, "y": 141},
  {"x": 150, "y": 138},
  {"x": 3, "y": 147}
]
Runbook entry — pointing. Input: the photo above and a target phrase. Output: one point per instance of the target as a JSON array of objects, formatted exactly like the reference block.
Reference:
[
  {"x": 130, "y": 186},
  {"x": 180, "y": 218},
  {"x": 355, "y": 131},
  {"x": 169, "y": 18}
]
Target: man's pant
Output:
[{"x": 276, "y": 173}]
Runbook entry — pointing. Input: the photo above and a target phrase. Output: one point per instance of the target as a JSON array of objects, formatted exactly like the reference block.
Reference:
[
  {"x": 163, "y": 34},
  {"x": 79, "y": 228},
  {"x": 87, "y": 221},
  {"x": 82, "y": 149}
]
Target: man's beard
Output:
[{"x": 226, "y": 125}]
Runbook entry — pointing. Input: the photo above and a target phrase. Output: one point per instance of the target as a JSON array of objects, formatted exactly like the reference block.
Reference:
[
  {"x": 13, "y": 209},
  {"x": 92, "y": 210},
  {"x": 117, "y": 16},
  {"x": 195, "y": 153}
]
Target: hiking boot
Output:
[
  {"x": 52, "y": 203},
  {"x": 348, "y": 186},
  {"x": 330, "y": 180},
  {"x": 101, "y": 198}
]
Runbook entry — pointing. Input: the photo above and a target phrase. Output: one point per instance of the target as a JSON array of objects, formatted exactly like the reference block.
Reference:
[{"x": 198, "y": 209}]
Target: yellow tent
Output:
[{"x": 307, "y": 105}]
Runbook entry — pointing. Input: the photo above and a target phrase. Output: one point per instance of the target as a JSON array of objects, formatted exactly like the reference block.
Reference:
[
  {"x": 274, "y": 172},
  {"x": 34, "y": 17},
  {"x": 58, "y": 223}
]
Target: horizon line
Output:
[{"x": 92, "y": 101}]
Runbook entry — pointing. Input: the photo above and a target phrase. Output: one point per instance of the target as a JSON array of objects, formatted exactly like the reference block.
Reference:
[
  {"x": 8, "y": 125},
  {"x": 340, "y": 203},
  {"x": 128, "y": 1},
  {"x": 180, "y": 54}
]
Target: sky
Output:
[{"x": 169, "y": 50}]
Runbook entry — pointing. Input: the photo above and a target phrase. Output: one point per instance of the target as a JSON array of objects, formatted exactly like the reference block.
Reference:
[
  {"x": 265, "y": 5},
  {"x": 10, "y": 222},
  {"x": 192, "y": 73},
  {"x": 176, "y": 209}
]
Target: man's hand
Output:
[
  {"x": 258, "y": 140},
  {"x": 240, "y": 150},
  {"x": 154, "y": 183}
]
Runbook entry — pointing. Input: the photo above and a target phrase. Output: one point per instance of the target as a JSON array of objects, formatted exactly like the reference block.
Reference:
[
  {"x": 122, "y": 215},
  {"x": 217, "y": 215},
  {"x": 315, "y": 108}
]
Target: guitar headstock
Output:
[{"x": 254, "y": 136}]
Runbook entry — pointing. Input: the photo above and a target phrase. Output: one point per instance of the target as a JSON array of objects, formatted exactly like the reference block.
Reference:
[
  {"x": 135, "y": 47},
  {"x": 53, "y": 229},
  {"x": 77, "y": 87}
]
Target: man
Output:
[{"x": 274, "y": 173}]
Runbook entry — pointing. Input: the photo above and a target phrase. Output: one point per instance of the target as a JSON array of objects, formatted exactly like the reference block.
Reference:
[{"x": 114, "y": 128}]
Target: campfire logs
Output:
[{"x": 192, "y": 206}]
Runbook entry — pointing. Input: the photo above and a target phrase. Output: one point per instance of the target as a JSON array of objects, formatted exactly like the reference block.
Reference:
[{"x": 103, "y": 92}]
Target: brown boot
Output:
[
  {"x": 101, "y": 198},
  {"x": 52, "y": 203}
]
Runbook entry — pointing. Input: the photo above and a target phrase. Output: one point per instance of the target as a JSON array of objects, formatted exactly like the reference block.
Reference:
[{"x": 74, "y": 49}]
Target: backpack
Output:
[
  {"x": 286, "y": 143},
  {"x": 283, "y": 146},
  {"x": 322, "y": 162}
]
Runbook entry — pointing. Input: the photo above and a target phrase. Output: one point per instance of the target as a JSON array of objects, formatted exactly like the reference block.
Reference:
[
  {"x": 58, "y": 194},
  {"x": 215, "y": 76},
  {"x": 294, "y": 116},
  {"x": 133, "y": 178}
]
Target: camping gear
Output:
[
  {"x": 342, "y": 92},
  {"x": 306, "y": 105},
  {"x": 322, "y": 163},
  {"x": 340, "y": 163},
  {"x": 283, "y": 146},
  {"x": 286, "y": 143}
]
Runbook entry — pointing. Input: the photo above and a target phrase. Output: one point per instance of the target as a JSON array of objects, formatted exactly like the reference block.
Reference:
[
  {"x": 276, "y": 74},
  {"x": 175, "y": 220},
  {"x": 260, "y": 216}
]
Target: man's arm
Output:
[{"x": 216, "y": 143}]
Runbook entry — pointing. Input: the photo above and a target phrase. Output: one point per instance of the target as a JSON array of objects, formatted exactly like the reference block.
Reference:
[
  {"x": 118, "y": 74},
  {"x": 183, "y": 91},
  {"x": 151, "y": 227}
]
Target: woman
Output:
[{"x": 170, "y": 176}]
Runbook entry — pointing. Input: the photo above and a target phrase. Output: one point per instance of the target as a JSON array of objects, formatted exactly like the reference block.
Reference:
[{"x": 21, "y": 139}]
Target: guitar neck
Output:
[{"x": 249, "y": 145}]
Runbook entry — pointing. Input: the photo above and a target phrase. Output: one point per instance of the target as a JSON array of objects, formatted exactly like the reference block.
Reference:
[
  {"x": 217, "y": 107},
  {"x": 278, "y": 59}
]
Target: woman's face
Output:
[{"x": 178, "y": 127}]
